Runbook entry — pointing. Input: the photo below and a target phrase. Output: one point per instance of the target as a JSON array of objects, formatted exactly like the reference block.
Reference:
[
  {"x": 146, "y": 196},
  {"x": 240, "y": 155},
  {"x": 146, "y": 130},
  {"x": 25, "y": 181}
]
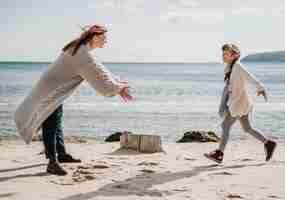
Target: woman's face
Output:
[
  {"x": 98, "y": 41},
  {"x": 228, "y": 56}
]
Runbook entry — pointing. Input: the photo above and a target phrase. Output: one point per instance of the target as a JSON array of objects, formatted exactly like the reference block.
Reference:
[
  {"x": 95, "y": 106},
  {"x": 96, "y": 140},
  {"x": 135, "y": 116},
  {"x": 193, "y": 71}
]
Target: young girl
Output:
[
  {"x": 43, "y": 106},
  {"x": 236, "y": 105}
]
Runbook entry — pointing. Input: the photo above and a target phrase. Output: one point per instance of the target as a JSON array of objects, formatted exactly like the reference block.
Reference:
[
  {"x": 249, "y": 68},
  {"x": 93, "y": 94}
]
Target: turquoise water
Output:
[{"x": 170, "y": 99}]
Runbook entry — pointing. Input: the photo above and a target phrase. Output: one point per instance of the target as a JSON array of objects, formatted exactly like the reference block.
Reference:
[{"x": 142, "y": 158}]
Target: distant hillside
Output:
[{"x": 275, "y": 56}]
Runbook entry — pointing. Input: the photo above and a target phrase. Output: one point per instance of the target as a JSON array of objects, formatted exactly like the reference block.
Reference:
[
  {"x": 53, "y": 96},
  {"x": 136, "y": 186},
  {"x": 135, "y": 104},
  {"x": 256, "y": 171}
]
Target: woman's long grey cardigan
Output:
[{"x": 58, "y": 83}]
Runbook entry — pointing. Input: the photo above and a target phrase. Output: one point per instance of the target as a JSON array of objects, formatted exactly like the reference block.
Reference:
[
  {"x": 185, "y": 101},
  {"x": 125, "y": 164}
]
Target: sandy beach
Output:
[
  {"x": 107, "y": 172},
  {"x": 79, "y": 72}
]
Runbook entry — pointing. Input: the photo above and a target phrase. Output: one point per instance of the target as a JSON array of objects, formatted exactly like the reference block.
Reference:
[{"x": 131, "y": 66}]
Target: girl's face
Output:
[
  {"x": 228, "y": 56},
  {"x": 98, "y": 41}
]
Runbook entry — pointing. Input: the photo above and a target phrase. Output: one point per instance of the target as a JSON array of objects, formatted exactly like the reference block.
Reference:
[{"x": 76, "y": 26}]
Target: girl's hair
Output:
[
  {"x": 236, "y": 52},
  {"x": 85, "y": 38},
  {"x": 228, "y": 74}
]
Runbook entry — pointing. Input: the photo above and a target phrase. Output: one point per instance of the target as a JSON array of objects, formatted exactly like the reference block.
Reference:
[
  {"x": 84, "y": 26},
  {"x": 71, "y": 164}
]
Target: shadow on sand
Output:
[{"x": 140, "y": 185}]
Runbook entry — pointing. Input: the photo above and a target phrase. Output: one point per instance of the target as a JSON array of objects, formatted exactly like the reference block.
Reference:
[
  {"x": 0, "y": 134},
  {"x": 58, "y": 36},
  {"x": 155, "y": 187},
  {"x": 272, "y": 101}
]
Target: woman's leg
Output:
[
  {"x": 226, "y": 128},
  {"x": 50, "y": 128},
  {"x": 62, "y": 155},
  {"x": 245, "y": 123},
  {"x": 49, "y": 131},
  {"x": 60, "y": 148}
]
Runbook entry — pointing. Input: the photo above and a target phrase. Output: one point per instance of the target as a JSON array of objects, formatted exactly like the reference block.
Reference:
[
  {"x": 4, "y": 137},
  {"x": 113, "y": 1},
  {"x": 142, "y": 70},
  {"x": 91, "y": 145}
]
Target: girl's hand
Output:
[
  {"x": 125, "y": 93},
  {"x": 263, "y": 93}
]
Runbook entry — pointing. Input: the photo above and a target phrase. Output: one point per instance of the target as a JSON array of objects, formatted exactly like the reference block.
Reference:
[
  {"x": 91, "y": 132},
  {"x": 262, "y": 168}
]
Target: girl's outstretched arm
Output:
[{"x": 261, "y": 90}]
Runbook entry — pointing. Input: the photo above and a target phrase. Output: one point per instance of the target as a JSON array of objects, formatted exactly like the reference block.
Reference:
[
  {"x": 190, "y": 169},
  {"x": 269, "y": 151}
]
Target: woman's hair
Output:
[
  {"x": 85, "y": 38},
  {"x": 236, "y": 52}
]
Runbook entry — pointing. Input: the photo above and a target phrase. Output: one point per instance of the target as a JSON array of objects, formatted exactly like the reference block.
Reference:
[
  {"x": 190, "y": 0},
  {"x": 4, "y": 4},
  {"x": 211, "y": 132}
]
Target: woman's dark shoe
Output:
[
  {"x": 67, "y": 158},
  {"x": 216, "y": 156},
  {"x": 56, "y": 169},
  {"x": 269, "y": 147}
]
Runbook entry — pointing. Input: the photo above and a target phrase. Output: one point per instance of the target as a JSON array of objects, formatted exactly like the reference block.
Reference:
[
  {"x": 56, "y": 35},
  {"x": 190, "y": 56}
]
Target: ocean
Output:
[{"x": 170, "y": 99}]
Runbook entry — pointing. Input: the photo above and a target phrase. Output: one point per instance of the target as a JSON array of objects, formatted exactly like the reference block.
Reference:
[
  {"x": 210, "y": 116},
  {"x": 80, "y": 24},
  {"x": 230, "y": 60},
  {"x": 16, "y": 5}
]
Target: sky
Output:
[{"x": 142, "y": 30}]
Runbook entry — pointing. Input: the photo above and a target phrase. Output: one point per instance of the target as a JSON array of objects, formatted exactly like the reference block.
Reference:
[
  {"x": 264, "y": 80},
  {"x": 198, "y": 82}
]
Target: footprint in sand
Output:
[
  {"x": 181, "y": 190},
  {"x": 17, "y": 161},
  {"x": 223, "y": 173},
  {"x": 190, "y": 159},
  {"x": 247, "y": 159},
  {"x": 83, "y": 178},
  {"x": 82, "y": 173},
  {"x": 104, "y": 165},
  {"x": 100, "y": 166},
  {"x": 273, "y": 197},
  {"x": 148, "y": 164},
  {"x": 281, "y": 162},
  {"x": 148, "y": 171},
  {"x": 233, "y": 196},
  {"x": 117, "y": 158},
  {"x": 121, "y": 186},
  {"x": 6, "y": 195},
  {"x": 83, "y": 167},
  {"x": 62, "y": 182}
]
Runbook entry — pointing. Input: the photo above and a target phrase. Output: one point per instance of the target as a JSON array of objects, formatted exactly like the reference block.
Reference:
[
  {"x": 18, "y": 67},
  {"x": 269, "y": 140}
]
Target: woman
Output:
[
  {"x": 236, "y": 104},
  {"x": 63, "y": 76}
]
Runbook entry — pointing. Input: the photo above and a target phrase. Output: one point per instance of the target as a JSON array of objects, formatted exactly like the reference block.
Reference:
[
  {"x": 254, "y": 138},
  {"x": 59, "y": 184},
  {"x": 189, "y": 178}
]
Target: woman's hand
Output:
[
  {"x": 125, "y": 92},
  {"x": 263, "y": 93}
]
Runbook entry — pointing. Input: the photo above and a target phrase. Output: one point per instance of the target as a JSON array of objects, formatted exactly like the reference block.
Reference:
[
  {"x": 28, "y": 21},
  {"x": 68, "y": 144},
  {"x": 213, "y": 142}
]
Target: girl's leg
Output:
[
  {"x": 218, "y": 154},
  {"x": 226, "y": 127},
  {"x": 245, "y": 123},
  {"x": 269, "y": 145}
]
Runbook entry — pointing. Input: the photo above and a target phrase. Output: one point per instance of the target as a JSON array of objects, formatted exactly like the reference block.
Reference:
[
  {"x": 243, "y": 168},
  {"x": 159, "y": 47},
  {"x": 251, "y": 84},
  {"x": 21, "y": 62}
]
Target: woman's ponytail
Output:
[{"x": 85, "y": 38}]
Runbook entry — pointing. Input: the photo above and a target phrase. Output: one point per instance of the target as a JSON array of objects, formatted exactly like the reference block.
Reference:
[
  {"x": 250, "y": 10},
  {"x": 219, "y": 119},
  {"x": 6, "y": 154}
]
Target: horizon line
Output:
[{"x": 120, "y": 62}]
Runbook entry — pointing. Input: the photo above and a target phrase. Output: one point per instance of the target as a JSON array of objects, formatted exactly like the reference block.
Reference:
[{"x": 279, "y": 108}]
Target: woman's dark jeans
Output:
[{"x": 52, "y": 131}]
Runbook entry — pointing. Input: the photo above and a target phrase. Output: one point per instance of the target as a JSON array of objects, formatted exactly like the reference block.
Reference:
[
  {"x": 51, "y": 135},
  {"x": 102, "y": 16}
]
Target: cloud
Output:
[
  {"x": 183, "y": 11},
  {"x": 123, "y": 7},
  {"x": 280, "y": 12},
  {"x": 249, "y": 11},
  {"x": 207, "y": 16},
  {"x": 172, "y": 11},
  {"x": 202, "y": 16},
  {"x": 262, "y": 10},
  {"x": 184, "y": 3}
]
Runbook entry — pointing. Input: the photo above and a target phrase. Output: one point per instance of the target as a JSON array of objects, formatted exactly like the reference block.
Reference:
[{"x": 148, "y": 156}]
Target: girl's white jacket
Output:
[{"x": 240, "y": 102}]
